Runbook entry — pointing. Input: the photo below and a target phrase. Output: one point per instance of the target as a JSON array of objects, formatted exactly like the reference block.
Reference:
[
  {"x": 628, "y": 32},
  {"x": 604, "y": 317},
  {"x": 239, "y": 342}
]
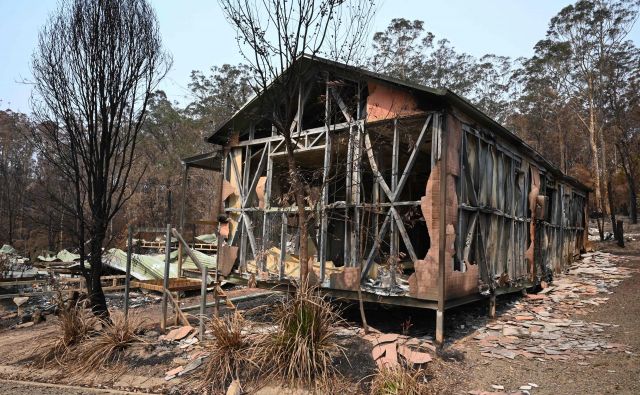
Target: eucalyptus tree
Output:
[
  {"x": 407, "y": 51},
  {"x": 545, "y": 96},
  {"x": 16, "y": 172},
  {"x": 219, "y": 94},
  {"x": 399, "y": 51},
  {"x": 494, "y": 86},
  {"x": 591, "y": 32},
  {"x": 448, "y": 68}
]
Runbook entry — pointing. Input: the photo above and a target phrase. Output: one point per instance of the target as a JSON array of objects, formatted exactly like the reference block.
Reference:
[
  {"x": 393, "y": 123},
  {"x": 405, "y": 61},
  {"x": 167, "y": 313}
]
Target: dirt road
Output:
[{"x": 11, "y": 387}]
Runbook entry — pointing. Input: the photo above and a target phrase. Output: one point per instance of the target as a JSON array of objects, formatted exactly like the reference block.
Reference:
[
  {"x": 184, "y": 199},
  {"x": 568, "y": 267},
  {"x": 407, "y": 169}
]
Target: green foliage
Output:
[
  {"x": 218, "y": 95},
  {"x": 407, "y": 51}
]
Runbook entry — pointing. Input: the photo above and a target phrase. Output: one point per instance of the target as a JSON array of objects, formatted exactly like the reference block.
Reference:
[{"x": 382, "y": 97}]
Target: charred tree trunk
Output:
[
  {"x": 11, "y": 226},
  {"x": 631, "y": 183},
  {"x": 619, "y": 232},
  {"x": 51, "y": 234},
  {"x": 612, "y": 214},
  {"x": 607, "y": 198},
  {"x": 563, "y": 148},
  {"x": 633, "y": 201},
  {"x": 96, "y": 294},
  {"x": 299, "y": 194},
  {"x": 593, "y": 146},
  {"x": 95, "y": 67}
]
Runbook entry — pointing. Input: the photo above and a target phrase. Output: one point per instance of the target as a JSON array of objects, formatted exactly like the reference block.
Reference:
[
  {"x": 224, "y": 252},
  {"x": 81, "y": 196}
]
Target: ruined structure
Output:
[{"x": 415, "y": 195}]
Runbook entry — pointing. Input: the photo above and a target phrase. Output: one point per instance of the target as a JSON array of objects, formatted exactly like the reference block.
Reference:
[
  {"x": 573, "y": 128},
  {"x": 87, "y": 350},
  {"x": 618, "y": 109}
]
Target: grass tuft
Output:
[
  {"x": 301, "y": 350},
  {"x": 75, "y": 323},
  {"x": 230, "y": 354},
  {"x": 105, "y": 347},
  {"x": 398, "y": 380}
]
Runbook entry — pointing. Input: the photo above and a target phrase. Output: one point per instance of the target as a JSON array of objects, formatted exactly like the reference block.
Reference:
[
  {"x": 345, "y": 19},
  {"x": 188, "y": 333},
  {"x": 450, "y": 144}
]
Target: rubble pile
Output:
[
  {"x": 136, "y": 299},
  {"x": 538, "y": 326},
  {"x": 185, "y": 340}
]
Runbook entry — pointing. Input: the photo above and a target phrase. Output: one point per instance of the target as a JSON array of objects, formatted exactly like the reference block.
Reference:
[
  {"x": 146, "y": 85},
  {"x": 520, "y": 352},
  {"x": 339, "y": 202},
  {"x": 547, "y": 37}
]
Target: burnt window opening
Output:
[
  {"x": 406, "y": 203},
  {"x": 262, "y": 130},
  {"x": 310, "y": 171},
  {"x": 313, "y": 114}
]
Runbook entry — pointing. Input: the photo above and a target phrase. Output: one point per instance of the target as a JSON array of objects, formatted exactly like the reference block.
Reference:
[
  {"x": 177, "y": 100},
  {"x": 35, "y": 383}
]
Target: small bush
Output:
[{"x": 301, "y": 350}]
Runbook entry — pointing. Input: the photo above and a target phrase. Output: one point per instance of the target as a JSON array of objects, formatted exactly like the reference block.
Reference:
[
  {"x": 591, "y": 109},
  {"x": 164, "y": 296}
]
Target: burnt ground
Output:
[
  {"x": 599, "y": 373},
  {"x": 604, "y": 373},
  {"x": 459, "y": 368}
]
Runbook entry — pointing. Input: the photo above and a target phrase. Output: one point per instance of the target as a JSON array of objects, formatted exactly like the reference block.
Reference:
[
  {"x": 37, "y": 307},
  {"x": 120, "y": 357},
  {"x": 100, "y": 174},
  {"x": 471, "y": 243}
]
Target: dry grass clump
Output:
[
  {"x": 230, "y": 354},
  {"x": 104, "y": 348},
  {"x": 438, "y": 377},
  {"x": 398, "y": 380},
  {"x": 75, "y": 324},
  {"x": 301, "y": 350}
]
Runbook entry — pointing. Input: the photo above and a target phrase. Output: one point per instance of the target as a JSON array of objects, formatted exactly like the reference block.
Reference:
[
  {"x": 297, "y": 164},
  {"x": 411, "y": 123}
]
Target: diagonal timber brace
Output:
[{"x": 392, "y": 216}]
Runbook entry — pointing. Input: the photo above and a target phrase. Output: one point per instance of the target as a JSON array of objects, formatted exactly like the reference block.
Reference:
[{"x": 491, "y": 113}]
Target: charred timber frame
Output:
[
  {"x": 310, "y": 140},
  {"x": 360, "y": 148},
  {"x": 486, "y": 208}
]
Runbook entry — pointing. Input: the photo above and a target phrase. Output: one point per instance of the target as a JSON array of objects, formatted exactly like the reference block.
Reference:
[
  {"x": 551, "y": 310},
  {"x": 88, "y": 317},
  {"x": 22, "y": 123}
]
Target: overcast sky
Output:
[{"x": 198, "y": 36}]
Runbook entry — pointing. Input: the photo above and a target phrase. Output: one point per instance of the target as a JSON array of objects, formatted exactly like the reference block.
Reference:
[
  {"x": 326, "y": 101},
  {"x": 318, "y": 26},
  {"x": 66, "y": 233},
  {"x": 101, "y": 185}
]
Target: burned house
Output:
[{"x": 414, "y": 195}]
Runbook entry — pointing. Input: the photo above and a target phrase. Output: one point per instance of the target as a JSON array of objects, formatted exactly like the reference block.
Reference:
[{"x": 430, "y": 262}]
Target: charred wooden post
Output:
[
  {"x": 203, "y": 300},
  {"x": 492, "y": 305},
  {"x": 442, "y": 240},
  {"x": 376, "y": 200},
  {"x": 348, "y": 200},
  {"x": 183, "y": 194},
  {"x": 165, "y": 279},
  {"x": 356, "y": 187},
  {"x": 205, "y": 278},
  {"x": 266, "y": 220},
  {"x": 355, "y": 196},
  {"x": 127, "y": 280},
  {"x": 395, "y": 240},
  {"x": 246, "y": 168},
  {"x": 325, "y": 182}
]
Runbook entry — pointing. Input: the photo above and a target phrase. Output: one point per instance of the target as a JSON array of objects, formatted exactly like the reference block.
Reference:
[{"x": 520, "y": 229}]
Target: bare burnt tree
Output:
[
  {"x": 272, "y": 35},
  {"x": 16, "y": 169},
  {"x": 95, "y": 66}
]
